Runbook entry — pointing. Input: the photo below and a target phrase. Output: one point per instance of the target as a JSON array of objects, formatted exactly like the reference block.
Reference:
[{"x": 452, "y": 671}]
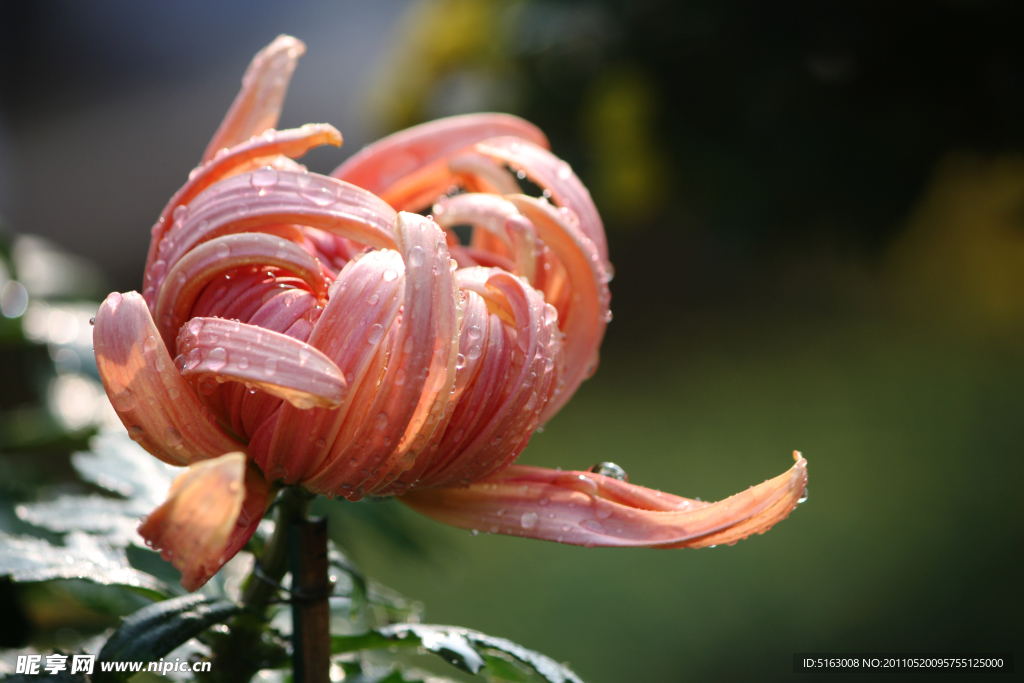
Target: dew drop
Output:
[
  {"x": 416, "y": 256},
  {"x": 460, "y": 362},
  {"x": 216, "y": 359},
  {"x": 375, "y": 333},
  {"x": 150, "y": 344},
  {"x": 803, "y": 498},
  {"x": 528, "y": 520},
  {"x": 320, "y": 443},
  {"x": 373, "y": 300},
  {"x": 270, "y": 367},
  {"x": 243, "y": 363},
  {"x": 223, "y": 250},
  {"x": 172, "y": 437},
  {"x": 263, "y": 178},
  {"x": 473, "y": 332},
  {"x": 592, "y": 525},
  {"x": 136, "y": 432},
  {"x": 390, "y": 274},
  {"x": 610, "y": 469},
  {"x": 381, "y": 421},
  {"x": 474, "y": 352}
]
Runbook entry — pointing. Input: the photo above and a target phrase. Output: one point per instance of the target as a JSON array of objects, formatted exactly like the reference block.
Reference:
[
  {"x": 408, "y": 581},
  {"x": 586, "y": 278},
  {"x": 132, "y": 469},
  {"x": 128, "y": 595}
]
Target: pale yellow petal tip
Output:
[{"x": 192, "y": 527}]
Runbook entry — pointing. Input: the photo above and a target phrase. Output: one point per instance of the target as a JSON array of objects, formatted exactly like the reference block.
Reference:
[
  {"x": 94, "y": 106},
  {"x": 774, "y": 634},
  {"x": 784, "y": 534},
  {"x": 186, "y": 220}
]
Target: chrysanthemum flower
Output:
[{"x": 297, "y": 328}]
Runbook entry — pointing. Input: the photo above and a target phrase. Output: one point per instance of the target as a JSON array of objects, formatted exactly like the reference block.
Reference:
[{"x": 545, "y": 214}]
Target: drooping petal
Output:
[
  {"x": 410, "y": 168},
  {"x": 156, "y": 405},
  {"x": 583, "y": 508},
  {"x": 194, "y": 526},
  {"x": 587, "y": 316},
  {"x": 273, "y": 362},
  {"x": 258, "y": 104},
  {"x": 199, "y": 267}
]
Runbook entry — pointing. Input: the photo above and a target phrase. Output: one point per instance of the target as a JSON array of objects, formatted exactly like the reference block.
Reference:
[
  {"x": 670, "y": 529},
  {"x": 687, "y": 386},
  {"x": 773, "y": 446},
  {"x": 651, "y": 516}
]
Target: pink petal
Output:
[
  {"x": 420, "y": 373},
  {"x": 237, "y": 205},
  {"x": 364, "y": 302},
  {"x": 194, "y": 526},
  {"x": 498, "y": 420},
  {"x": 499, "y": 217},
  {"x": 264, "y": 85},
  {"x": 156, "y": 405},
  {"x": 587, "y": 316},
  {"x": 410, "y": 168},
  {"x": 582, "y": 508},
  {"x": 186, "y": 281},
  {"x": 273, "y": 362},
  {"x": 552, "y": 174},
  {"x": 293, "y": 143}
]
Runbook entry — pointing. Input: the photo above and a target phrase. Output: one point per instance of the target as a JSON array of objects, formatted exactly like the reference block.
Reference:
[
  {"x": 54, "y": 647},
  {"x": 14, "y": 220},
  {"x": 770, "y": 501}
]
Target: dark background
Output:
[{"x": 817, "y": 220}]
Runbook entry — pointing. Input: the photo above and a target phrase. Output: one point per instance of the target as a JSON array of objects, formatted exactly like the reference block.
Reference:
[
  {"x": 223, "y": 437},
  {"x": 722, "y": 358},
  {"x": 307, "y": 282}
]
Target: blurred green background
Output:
[{"x": 816, "y": 216}]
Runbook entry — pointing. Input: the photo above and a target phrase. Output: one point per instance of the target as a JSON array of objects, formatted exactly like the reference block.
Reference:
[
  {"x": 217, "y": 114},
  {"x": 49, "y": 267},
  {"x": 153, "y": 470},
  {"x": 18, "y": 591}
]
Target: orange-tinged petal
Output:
[
  {"x": 583, "y": 508},
  {"x": 587, "y": 316},
  {"x": 157, "y": 406},
  {"x": 277, "y": 364},
  {"x": 554, "y": 175},
  {"x": 411, "y": 165},
  {"x": 258, "y": 104},
  {"x": 364, "y": 302},
  {"x": 193, "y": 527},
  {"x": 416, "y": 386}
]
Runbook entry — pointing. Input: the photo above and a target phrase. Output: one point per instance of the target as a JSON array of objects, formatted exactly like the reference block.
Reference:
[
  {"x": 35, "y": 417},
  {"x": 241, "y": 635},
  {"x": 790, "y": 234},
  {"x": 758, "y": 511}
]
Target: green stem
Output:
[{"x": 247, "y": 647}]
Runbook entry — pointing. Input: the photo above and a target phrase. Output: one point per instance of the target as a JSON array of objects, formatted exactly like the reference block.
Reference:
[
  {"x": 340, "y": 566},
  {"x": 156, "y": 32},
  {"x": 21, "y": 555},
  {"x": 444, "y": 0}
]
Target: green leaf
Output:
[
  {"x": 115, "y": 520},
  {"x": 469, "y": 650},
  {"x": 29, "y": 559},
  {"x": 153, "y": 631},
  {"x": 119, "y": 465}
]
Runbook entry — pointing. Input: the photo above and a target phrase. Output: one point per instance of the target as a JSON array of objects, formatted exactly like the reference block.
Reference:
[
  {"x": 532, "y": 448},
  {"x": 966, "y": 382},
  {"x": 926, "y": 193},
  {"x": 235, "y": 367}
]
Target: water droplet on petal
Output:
[
  {"x": 172, "y": 437},
  {"x": 390, "y": 274},
  {"x": 216, "y": 359},
  {"x": 610, "y": 469},
  {"x": 803, "y": 498},
  {"x": 474, "y": 352},
  {"x": 473, "y": 332},
  {"x": 416, "y": 256},
  {"x": 375, "y": 333},
  {"x": 528, "y": 520},
  {"x": 150, "y": 344},
  {"x": 381, "y": 421},
  {"x": 592, "y": 525},
  {"x": 270, "y": 367},
  {"x": 223, "y": 250},
  {"x": 263, "y": 178}
]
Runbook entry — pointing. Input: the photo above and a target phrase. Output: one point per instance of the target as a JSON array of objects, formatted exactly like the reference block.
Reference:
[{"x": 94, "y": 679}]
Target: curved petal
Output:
[
  {"x": 583, "y": 508},
  {"x": 587, "y": 316},
  {"x": 202, "y": 265},
  {"x": 277, "y": 364},
  {"x": 415, "y": 158},
  {"x": 364, "y": 302},
  {"x": 258, "y": 104},
  {"x": 157, "y": 406},
  {"x": 416, "y": 386},
  {"x": 292, "y": 143},
  {"x": 194, "y": 526},
  {"x": 551, "y": 173},
  {"x": 235, "y": 205}
]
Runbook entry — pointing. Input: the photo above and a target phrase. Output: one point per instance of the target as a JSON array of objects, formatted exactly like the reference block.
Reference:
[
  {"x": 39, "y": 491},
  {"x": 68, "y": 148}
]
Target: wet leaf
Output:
[
  {"x": 469, "y": 650},
  {"x": 29, "y": 559},
  {"x": 121, "y": 466},
  {"x": 153, "y": 631}
]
